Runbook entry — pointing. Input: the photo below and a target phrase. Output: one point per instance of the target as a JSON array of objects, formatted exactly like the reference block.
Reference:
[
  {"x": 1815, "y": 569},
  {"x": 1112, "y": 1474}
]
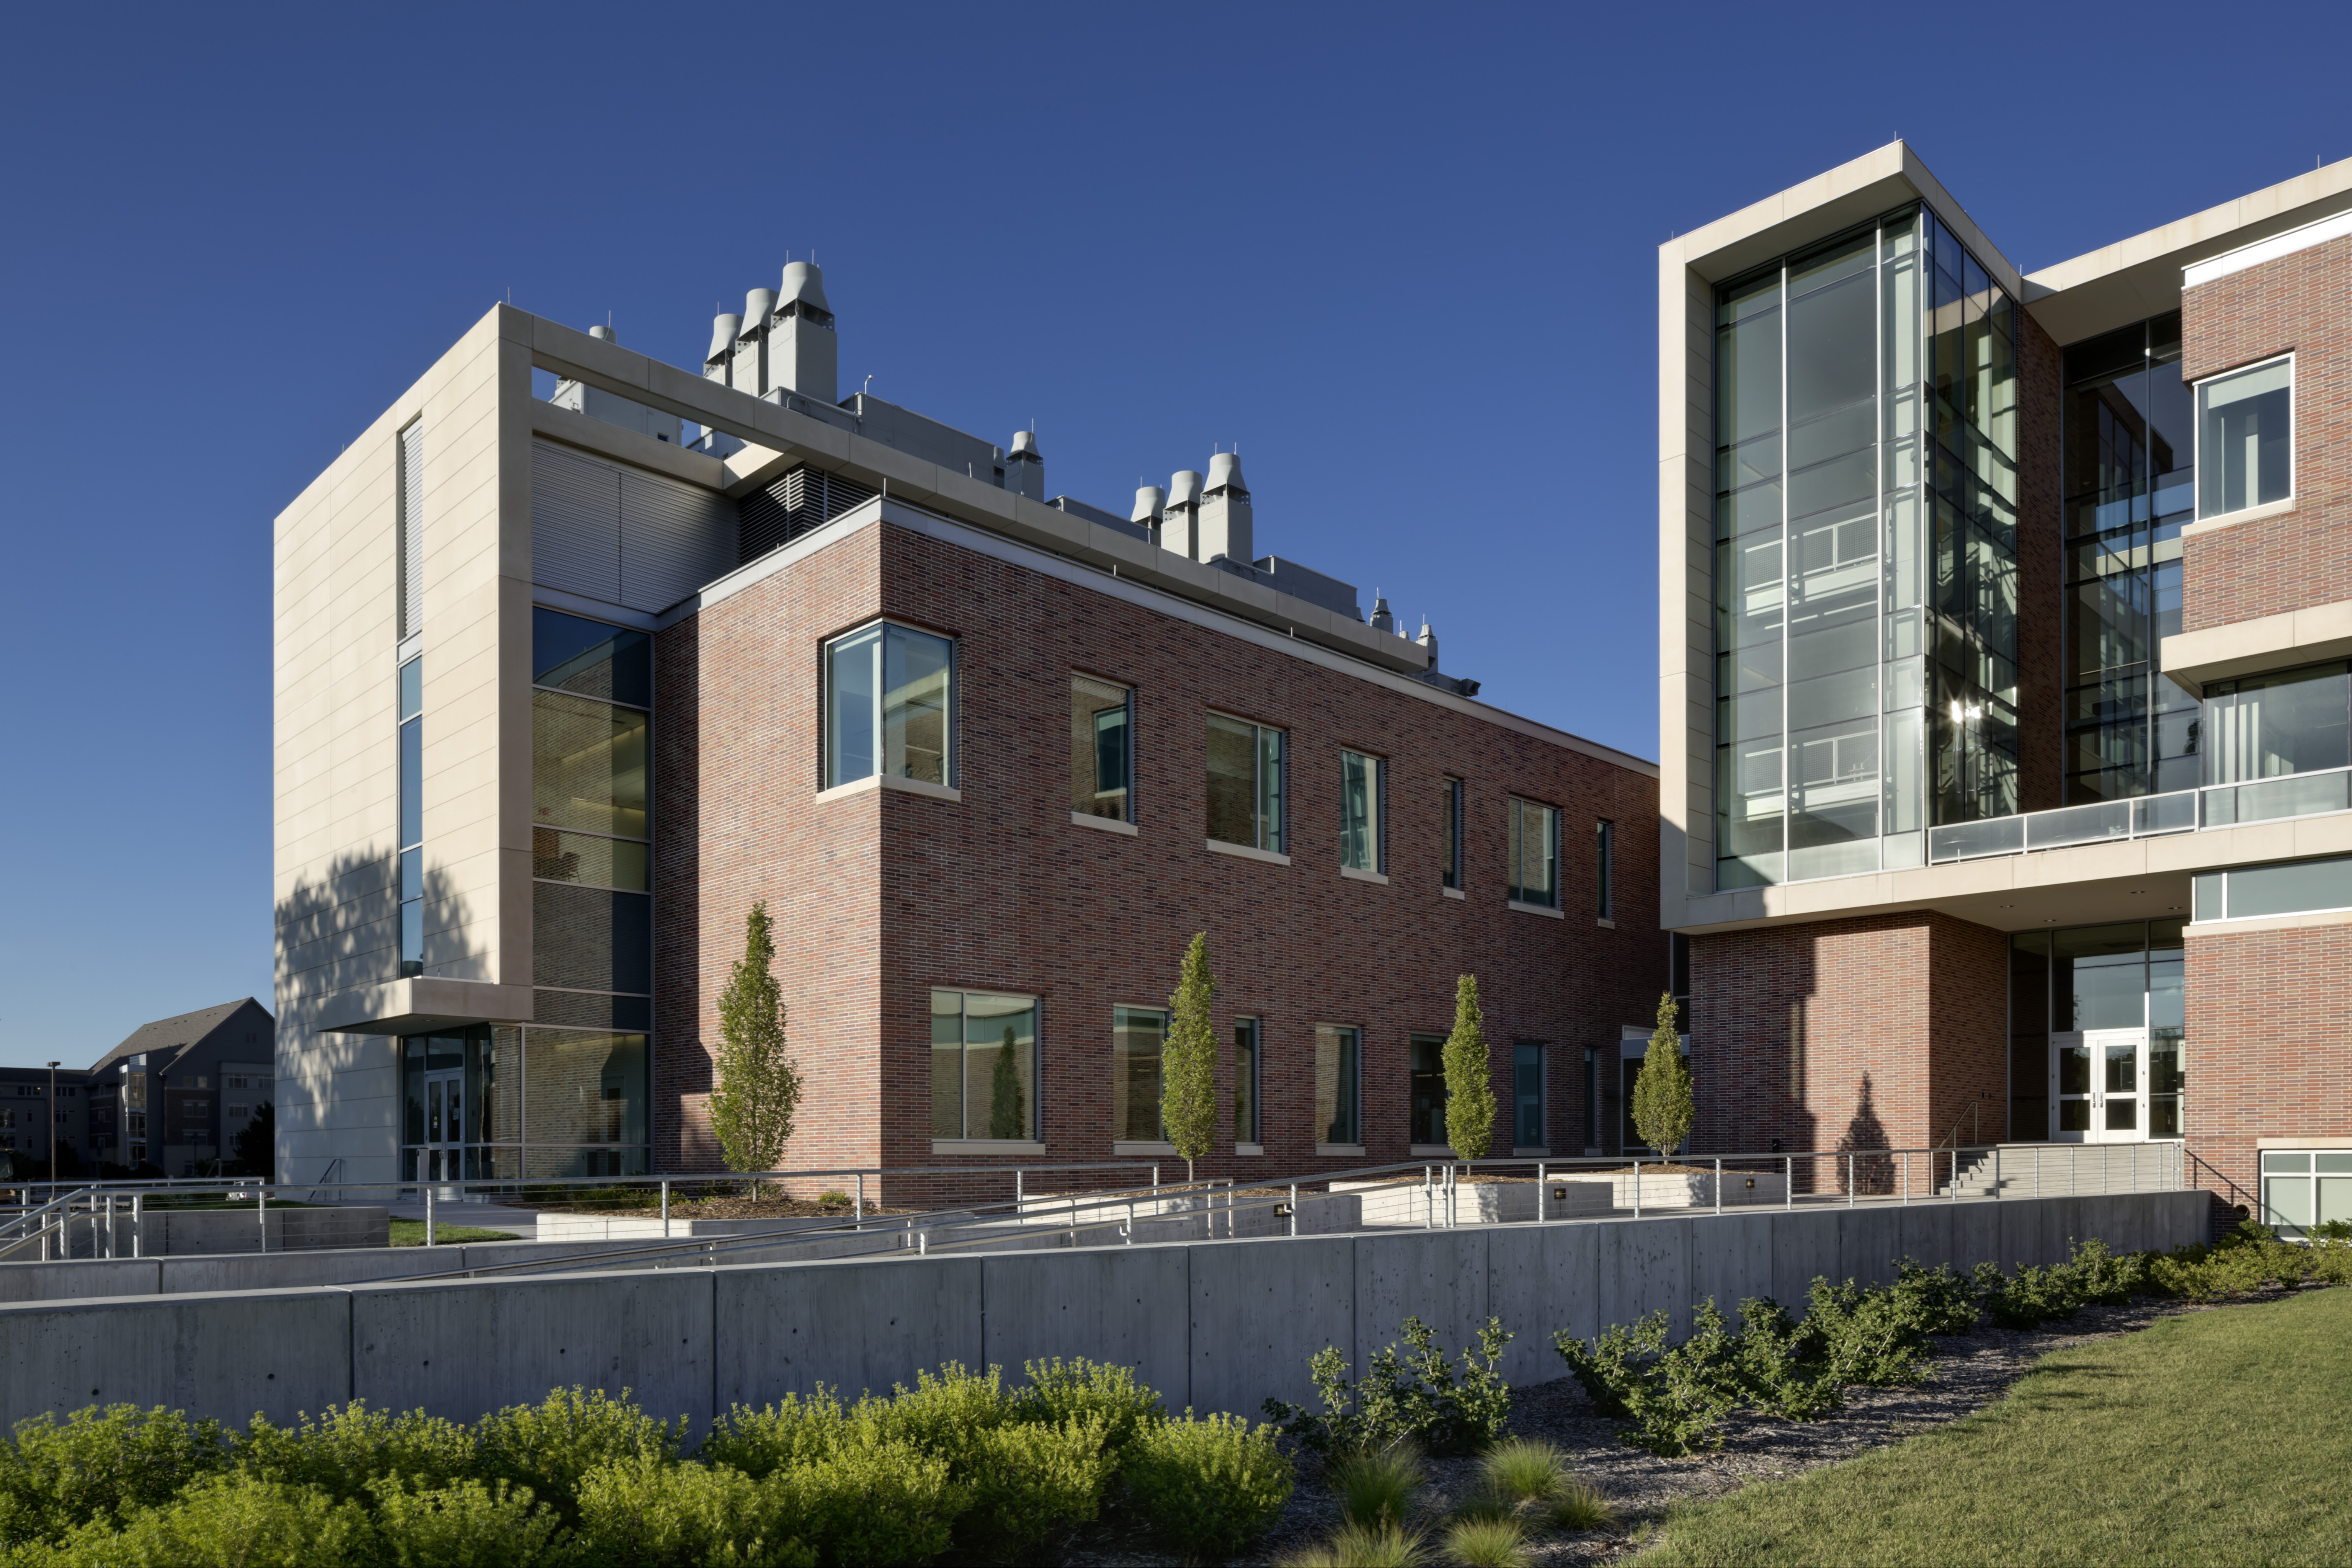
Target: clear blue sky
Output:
[{"x": 1404, "y": 257}]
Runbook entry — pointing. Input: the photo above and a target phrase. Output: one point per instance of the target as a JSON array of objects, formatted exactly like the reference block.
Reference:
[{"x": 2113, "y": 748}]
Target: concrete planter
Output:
[
  {"x": 638, "y": 1227},
  {"x": 1676, "y": 1189},
  {"x": 170, "y": 1233},
  {"x": 1407, "y": 1204}
]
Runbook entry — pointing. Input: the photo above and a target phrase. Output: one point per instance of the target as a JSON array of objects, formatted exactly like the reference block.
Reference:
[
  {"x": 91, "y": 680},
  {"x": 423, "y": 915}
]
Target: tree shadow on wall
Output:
[
  {"x": 341, "y": 928},
  {"x": 1866, "y": 1172}
]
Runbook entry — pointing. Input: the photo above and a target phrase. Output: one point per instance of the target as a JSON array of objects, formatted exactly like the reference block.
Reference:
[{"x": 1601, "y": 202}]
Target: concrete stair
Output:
[{"x": 2062, "y": 1170}]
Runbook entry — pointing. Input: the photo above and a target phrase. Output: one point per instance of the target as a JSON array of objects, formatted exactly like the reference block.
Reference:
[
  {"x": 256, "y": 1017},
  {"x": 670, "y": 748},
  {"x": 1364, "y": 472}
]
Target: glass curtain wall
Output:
[
  {"x": 1865, "y": 554},
  {"x": 498, "y": 1104},
  {"x": 2128, "y": 437},
  {"x": 2125, "y": 976}
]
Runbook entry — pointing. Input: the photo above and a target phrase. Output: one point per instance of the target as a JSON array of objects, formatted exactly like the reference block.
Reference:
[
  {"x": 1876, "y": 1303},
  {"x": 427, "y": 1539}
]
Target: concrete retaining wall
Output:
[{"x": 1219, "y": 1325}]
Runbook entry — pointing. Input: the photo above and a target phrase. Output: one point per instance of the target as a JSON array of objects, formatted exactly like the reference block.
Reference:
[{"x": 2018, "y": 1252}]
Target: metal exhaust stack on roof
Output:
[
  {"x": 1150, "y": 501},
  {"x": 749, "y": 373},
  {"x": 803, "y": 347},
  {"x": 1382, "y": 620},
  {"x": 724, "y": 329},
  {"x": 1024, "y": 466},
  {"x": 1226, "y": 526},
  {"x": 1180, "y": 530},
  {"x": 602, "y": 334}
]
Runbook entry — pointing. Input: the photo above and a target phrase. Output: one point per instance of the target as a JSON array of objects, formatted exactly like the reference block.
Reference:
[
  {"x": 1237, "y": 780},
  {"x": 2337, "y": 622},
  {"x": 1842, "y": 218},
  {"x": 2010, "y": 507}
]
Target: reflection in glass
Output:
[
  {"x": 1245, "y": 783},
  {"x": 983, "y": 1065},
  {"x": 1425, "y": 1089},
  {"x": 2243, "y": 428},
  {"x": 1098, "y": 749},
  {"x": 593, "y": 658},
  {"x": 1245, "y": 1080},
  {"x": 1534, "y": 850},
  {"x": 588, "y": 764},
  {"x": 2100, "y": 978},
  {"x": 888, "y": 695},
  {"x": 1360, "y": 812},
  {"x": 1527, "y": 1095},
  {"x": 1137, "y": 1037},
  {"x": 2266, "y": 726},
  {"x": 1338, "y": 1070},
  {"x": 583, "y": 1086},
  {"x": 2073, "y": 1068}
]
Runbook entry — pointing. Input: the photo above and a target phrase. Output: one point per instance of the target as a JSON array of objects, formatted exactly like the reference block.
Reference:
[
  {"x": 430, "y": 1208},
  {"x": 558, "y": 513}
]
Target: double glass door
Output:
[
  {"x": 441, "y": 1157},
  {"x": 2099, "y": 1087}
]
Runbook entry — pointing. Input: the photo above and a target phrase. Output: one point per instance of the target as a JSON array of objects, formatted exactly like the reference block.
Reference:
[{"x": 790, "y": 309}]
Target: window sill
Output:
[
  {"x": 1249, "y": 1148},
  {"x": 1606, "y": 923},
  {"x": 1549, "y": 914},
  {"x": 2231, "y": 519},
  {"x": 872, "y": 782},
  {"x": 986, "y": 1147},
  {"x": 1103, "y": 824},
  {"x": 1168, "y": 1150},
  {"x": 1431, "y": 1151},
  {"x": 1339, "y": 1149},
  {"x": 1355, "y": 876},
  {"x": 1245, "y": 852},
  {"x": 1454, "y": 893}
]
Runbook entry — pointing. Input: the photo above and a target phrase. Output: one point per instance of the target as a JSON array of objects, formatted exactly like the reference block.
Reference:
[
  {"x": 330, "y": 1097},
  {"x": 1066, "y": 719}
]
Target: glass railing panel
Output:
[
  {"x": 2295, "y": 795},
  {"x": 2174, "y": 813},
  {"x": 2078, "y": 825},
  {"x": 1969, "y": 840}
]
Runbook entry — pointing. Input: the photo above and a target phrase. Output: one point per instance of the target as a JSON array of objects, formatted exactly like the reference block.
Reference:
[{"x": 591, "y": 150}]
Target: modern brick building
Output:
[
  {"x": 2004, "y": 629},
  {"x": 170, "y": 1097},
  {"x": 580, "y": 656}
]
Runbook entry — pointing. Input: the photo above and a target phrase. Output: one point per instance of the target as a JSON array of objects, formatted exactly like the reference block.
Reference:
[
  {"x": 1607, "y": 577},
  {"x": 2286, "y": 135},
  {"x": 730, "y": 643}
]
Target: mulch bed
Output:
[{"x": 1971, "y": 1371}]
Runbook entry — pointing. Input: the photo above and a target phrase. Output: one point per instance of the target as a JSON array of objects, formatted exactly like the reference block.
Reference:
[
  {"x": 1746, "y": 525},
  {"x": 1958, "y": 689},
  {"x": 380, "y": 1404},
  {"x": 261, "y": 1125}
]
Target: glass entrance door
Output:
[
  {"x": 2098, "y": 1085},
  {"x": 443, "y": 1156}
]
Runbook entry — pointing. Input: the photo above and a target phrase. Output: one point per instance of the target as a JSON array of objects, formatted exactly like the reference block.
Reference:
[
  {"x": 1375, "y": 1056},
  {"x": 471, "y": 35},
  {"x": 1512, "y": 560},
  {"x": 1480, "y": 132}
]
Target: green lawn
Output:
[
  {"x": 411, "y": 1233},
  {"x": 2217, "y": 1438}
]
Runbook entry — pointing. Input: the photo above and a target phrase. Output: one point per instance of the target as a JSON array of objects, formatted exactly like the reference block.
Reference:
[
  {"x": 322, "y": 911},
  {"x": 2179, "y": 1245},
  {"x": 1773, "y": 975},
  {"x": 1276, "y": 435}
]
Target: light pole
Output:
[{"x": 53, "y": 1133}]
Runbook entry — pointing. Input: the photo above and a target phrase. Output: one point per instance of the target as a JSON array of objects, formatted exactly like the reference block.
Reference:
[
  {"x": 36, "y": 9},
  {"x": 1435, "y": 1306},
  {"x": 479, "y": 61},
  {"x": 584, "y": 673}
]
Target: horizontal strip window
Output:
[
  {"x": 592, "y": 859},
  {"x": 2255, "y": 892},
  {"x": 642, "y": 707}
]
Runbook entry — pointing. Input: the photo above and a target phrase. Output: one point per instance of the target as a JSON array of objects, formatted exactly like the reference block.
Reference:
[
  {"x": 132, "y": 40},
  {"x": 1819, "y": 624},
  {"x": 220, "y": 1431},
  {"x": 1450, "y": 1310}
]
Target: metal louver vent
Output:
[
  {"x": 780, "y": 511},
  {"x": 412, "y": 529}
]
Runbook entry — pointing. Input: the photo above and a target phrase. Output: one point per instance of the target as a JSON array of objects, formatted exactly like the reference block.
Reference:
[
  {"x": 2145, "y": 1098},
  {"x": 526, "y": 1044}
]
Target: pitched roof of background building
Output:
[{"x": 166, "y": 1037}]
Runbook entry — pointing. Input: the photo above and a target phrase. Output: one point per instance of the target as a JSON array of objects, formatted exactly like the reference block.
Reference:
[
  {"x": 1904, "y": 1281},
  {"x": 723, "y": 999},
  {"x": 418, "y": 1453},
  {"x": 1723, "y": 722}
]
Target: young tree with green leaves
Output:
[
  {"x": 759, "y": 1087},
  {"x": 1007, "y": 1115},
  {"x": 1469, "y": 1077},
  {"x": 1188, "y": 1060},
  {"x": 1663, "y": 1107}
]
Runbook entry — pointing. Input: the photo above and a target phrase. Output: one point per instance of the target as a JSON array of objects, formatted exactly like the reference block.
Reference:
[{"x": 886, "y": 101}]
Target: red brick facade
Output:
[
  {"x": 880, "y": 896},
  {"x": 2301, "y": 303},
  {"x": 2269, "y": 1048},
  {"x": 1877, "y": 1032}
]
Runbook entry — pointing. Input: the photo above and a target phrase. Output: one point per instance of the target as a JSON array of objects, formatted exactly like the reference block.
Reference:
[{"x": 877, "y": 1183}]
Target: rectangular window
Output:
[
  {"x": 1246, "y": 1079},
  {"x": 411, "y": 815},
  {"x": 1362, "y": 811},
  {"x": 1605, "y": 861},
  {"x": 412, "y": 529},
  {"x": 983, "y": 1065},
  {"x": 1100, "y": 726},
  {"x": 2269, "y": 726},
  {"x": 1137, "y": 1036},
  {"x": 1534, "y": 854},
  {"x": 1338, "y": 1087},
  {"x": 1528, "y": 1095},
  {"x": 1426, "y": 1089},
  {"x": 888, "y": 696},
  {"x": 2302, "y": 1188},
  {"x": 1450, "y": 833},
  {"x": 2245, "y": 438},
  {"x": 1245, "y": 763},
  {"x": 2294, "y": 887}
]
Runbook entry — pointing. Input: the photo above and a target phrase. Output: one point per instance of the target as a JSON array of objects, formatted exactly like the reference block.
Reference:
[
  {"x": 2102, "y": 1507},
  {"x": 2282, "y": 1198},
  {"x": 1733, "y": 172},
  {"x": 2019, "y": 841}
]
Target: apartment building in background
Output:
[
  {"x": 2004, "y": 628},
  {"x": 580, "y": 655},
  {"x": 170, "y": 1098}
]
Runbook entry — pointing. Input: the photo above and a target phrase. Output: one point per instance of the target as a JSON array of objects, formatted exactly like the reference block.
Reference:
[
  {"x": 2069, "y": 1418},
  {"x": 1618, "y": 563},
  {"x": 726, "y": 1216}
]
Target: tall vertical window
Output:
[
  {"x": 1865, "y": 556},
  {"x": 1339, "y": 1084},
  {"x": 1450, "y": 833},
  {"x": 1534, "y": 849},
  {"x": 1137, "y": 1035},
  {"x": 1248, "y": 1076},
  {"x": 1363, "y": 812},
  {"x": 1425, "y": 1089},
  {"x": 1528, "y": 1095},
  {"x": 2245, "y": 437},
  {"x": 1101, "y": 754},
  {"x": 1604, "y": 859},
  {"x": 888, "y": 695},
  {"x": 1245, "y": 779},
  {"x": 2126, "y": 436},
  {"x": 412, "y": 817},
  {"x": 411, "y": 483},
  {"x": 983, "y": 1065},
  {"x": 592, "y": 828},
  {"x": 1592, "y": 1099}
]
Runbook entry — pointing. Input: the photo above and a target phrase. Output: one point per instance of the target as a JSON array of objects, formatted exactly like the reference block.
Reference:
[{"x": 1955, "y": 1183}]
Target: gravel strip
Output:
[{"x": 1970, "y": 1370}]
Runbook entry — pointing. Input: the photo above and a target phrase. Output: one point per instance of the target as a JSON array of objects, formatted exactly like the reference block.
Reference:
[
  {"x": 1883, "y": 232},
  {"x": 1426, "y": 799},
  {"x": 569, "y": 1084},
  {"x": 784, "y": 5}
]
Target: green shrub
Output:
[
  {"x": 943, "y": 1413},
  {"x": 1871, "y": 1336},
  {"x": 350, "y": 1449},
  {"x": 1942, "y": 1301},
  {"x": 644, "y": 1511},
  {"x": 1026, "y": 1480},
  {"x": 1489, "y": 1543},
  {"x": 98, "y": 1465},
  {"x": 1675, "y": 1398},
  {"x": 777, "y": 1437},
  {"x": 551, "y": 1446},
  {"x": 1417, "y": 1398},
  {"x": 222, "y": 1521},
  {"x": 1376, "y": 1487},
  {"x": 1059, "y": 1390},
  {"x": 1208, "y": 1487},
  {"x": 465, "y": 1525},
  {"x": 868, "y": 1500}
]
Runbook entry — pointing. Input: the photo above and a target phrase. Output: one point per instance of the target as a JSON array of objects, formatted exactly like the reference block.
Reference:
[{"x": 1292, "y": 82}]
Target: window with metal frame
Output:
[{"x": 1534, "y": 852}]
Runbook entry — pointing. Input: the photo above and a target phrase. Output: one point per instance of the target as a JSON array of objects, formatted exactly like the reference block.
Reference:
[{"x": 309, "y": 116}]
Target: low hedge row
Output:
[{"x": 958, "y": 1464}]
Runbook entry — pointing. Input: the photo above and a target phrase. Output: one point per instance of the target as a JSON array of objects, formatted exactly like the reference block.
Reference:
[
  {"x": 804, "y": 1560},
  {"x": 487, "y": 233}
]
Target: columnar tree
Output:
[
  {"x": 1188, "y": 1059},
  {"x": 1007, "y": 1116},
  {"x": 759, "y": 1087},
  {"x": 1663, "y": 1107},
  {"x": 1469, "y": 1077}
]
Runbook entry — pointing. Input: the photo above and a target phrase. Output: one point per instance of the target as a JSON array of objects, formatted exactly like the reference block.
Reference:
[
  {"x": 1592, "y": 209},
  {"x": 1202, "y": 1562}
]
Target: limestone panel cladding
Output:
[
  {"x": 1881, "y": 1031},
  {"x": 2300, "y": 303},
  {"x": 2269, "y": 1048},
  {"x": 880, "y": 896}
]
